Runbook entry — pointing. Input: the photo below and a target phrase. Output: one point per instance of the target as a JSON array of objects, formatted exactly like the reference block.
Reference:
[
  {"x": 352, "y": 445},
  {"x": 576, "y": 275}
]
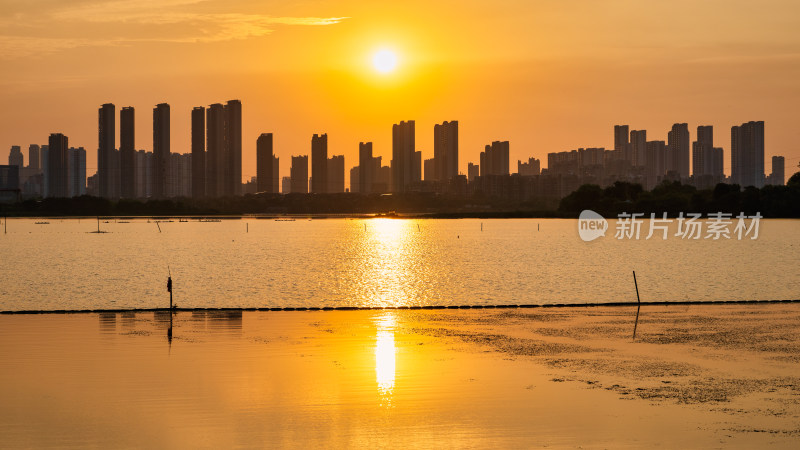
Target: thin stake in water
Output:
[{"x": 639, "y": 302}]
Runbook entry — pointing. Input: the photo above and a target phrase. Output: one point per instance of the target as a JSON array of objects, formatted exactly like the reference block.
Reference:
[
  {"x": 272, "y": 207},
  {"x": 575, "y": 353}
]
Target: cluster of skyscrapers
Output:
[
  {"x": 214, "y": 166},
  {"x": 637, "y": 160}
]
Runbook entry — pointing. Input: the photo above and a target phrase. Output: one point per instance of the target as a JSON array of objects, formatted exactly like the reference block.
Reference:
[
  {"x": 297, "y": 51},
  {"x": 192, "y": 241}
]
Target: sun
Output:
[{"x": 384, "y": 61}]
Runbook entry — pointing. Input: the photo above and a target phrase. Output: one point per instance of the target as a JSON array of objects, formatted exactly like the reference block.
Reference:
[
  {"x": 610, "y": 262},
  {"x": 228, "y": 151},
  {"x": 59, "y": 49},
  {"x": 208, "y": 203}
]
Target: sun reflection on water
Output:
[{"x": 385, "y": 354}]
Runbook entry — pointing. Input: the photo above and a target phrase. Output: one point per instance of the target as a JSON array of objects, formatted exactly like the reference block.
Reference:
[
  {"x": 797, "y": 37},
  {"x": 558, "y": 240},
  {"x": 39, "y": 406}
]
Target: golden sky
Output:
[{"x": 548, "y": 75}]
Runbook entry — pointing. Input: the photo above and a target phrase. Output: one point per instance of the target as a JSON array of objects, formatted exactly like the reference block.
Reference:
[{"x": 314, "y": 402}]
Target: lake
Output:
[{"x": 377, "y": 262}]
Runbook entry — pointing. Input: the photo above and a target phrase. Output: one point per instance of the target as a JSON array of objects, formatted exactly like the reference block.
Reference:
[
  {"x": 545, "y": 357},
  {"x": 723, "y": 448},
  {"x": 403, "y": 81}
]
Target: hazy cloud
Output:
[{"x": 53, "y": 27}]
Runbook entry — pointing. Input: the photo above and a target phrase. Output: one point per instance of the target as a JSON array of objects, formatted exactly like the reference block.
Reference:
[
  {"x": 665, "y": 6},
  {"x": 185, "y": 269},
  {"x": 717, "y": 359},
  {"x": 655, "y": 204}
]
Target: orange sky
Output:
[{"x": 547, "y": 75}]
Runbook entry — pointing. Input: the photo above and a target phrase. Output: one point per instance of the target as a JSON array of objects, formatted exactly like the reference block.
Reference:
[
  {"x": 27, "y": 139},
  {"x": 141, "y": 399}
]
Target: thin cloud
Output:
[{"x": 130, "y": 21}]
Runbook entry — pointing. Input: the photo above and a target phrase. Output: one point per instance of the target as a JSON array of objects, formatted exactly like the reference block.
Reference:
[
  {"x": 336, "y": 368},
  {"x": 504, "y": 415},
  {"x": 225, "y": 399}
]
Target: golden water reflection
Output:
[
  {"x": 390, "y": 271},
  {"x": 385, "y": 358}
]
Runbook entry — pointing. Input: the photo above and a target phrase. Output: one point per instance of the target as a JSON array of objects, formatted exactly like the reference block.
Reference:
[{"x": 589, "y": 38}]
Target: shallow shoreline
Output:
[{"x": 695, "y": 376}]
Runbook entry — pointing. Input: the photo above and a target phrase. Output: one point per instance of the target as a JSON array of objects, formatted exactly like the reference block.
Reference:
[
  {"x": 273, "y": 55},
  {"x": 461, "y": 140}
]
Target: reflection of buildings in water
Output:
[
  {"x": 162, "y": 318},
  {"x": 224, "y": 319},
  {"x": 128, "y": 320},
  {"x": 108, "y": 322},
  {"x": 385, "y": 358}
]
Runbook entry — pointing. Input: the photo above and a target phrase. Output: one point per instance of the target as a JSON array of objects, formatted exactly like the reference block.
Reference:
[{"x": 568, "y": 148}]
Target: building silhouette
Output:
[
  {"x": 747, "y": 154},
  {"x": 621, "y": 142},
  {"x": 366, "y": 176},
  {"x": 656, "y": 163},
  {"x": 445, "y": 151},
  {"x": 198, "y": 152},
  {"x": 34, "y": 161},
  {"x": 144, "y": 174},
  {"x": 233, "y": 117},
  {"x": 276, "y": 177},
  {"x": 77, "y": 171},
  {"x": 58, "y": 166},
  {"x": 335, "y": 175},
  {"x": 105, "y": 150},
  {"x": 180, "y": 175},
  {"x": 638, "y": 148},
  {"x": 161, "y": 150},
  {"x": 473, "y": 170},
  {"x": 286, "y": 185},
  {"x": 299, "y": 174},
  {"x": 778, "y": 175},
  {"x": 494, "y": 159},
  {"x": 319, "y": 163},
  {"x": 264, "y": 160},
  {"x": 678, "y": 150},
  {"x": 15, "y": 157},
  {"x": 404, "y": 158},
  {"x": 528, "y": 169},
  {"x": 223, "y": 158},
  {"x": 215, "y": 150},
  {"x": 429, "y": 169},
  {"x": 127, "y": 153}
]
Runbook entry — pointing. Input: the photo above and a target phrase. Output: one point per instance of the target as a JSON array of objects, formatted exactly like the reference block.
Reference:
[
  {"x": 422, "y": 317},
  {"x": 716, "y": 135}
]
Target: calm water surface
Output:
[{"x": 378, "y": 262}]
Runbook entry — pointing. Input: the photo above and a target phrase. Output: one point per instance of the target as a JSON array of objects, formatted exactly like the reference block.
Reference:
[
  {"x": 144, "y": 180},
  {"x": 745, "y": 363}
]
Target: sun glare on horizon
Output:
[{"x": 384, "y": 61}]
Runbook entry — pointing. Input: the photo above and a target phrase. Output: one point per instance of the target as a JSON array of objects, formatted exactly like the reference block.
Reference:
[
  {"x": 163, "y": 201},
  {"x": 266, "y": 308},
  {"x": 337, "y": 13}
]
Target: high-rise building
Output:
[
  {"x": 678, "y": 149},
  {"x": 473, "y": 171},
  {"x": 106, "y": 146},
  {"x": 180, "y": 175},
  {"x": 366, "y": 176},
  {"x": 778, "y": 175},
  {"x": 127, "y": 153},
  {"x": 144, "y": 174},
  {"x": 77, "y": 171},
  {"x": 707, "y": 159},
  {"x": 299, "y": 174},
  {"x": 276, "y": 177},
  {"x": 445, "y": 151},
  {"x": 33, "y": 157},
  {"x": 403, "y": 157},
  {"x": 429, "y": 169},
  {"x": 198, "y": 152},
  {"x": 747, "y": 154},
  {"x": 335, "y": 175},
  {"x": 161, "y": 150},
  {"x": 621, "y": 143},
  {"x": 58, "y": 166},
  {"x": 216, "y": 160},
  {"x": 655, "y": 163},
  {"x": 494, "y": 159},
  {"x": 264, "y": 160},
  {"x": 528, "y": 169},
  {"x": 233, "y": 123},
  {"x": 286, "y": 185},
  {"x": 638, "y": 145},
  {"x": 45, "y": 160},
  {"x": 15, "y": 157},
  {"x": 319, "y": 164}
]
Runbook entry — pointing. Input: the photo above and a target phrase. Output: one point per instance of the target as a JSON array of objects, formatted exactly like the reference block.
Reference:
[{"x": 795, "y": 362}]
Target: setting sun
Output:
[{"x": 384, "y": 61}]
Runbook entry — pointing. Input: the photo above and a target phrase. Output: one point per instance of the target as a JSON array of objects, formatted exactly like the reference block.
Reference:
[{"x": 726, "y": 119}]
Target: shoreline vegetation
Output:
[
  {"x": 671, "y": 198},
  {"x": 427, "y": 307}
]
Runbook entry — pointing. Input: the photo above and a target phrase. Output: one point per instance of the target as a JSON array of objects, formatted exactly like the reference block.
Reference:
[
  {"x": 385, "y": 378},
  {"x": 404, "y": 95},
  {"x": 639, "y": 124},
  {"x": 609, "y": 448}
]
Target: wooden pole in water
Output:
[
  {"x": 98, "y": 224},
  {"x": 481, "y": 226},
  {"x": 248, "y": 228},
  {"x": 639, "y": 305},
  {"x": 5, "y": 225}
]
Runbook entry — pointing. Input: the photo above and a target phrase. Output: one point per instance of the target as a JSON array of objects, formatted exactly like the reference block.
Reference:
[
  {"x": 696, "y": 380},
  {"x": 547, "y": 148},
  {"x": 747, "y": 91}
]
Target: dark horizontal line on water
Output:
[{"x": 374, "y": 308}]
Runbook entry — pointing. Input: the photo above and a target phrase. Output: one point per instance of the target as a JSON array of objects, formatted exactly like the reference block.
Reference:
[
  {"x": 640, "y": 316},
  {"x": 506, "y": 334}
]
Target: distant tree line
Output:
[{"x": 672, "y": 198}]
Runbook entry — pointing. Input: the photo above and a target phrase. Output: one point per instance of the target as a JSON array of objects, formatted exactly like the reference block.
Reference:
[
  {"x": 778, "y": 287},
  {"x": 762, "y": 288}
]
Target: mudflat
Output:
[{"x": 694, "y": 376}]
